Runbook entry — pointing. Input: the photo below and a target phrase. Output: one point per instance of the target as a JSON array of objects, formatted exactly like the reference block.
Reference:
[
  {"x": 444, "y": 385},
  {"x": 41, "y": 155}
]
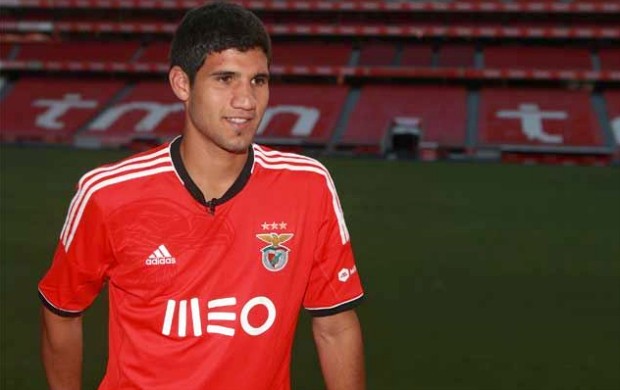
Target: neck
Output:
[{"x": 214, "y": 170}]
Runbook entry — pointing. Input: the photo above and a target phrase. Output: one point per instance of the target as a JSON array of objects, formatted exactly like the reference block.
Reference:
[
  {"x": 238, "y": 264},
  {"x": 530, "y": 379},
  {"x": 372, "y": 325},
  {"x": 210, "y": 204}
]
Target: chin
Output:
[{"x": 238, "y": 147}]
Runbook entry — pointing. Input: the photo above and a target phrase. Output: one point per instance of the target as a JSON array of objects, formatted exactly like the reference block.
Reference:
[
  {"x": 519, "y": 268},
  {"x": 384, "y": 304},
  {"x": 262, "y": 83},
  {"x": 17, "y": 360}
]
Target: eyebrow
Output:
[
  {"x": 231, "y": 73},
  {"x": 223, "y": 73}
]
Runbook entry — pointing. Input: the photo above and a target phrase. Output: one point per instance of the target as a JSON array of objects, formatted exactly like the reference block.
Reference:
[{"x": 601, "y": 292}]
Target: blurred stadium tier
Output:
[{"x": 514, "y": 81}]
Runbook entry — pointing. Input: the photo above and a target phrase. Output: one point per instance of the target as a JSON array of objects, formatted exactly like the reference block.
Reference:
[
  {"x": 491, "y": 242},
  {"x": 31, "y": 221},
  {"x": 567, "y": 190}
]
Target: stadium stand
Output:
[
  {"x": 52, "y": 109},
  {"x": 439, "y": 111},
  {"x": 456, "y": 56},
  {"x": 542, "y": 125},
  {"x": 302, "y": 114},
  {"x": 610, "y": 59},
  {"x": 93, "y": 51},
  {"x": 154, "y": 52},
  {"x": 537, "y": 57},
  {"x": 532, "y": 80},
  {"x": 148, "y": 112},
  {"x": 310, "y": 54},
  {"x": 417, "y": 55},
  {"x": 378, "y": 54},
  {"x": 537, "y": 118}
]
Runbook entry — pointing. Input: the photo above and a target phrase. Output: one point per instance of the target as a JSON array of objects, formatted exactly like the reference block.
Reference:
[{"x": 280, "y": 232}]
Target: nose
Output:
[{"x": 243, "y": 97}]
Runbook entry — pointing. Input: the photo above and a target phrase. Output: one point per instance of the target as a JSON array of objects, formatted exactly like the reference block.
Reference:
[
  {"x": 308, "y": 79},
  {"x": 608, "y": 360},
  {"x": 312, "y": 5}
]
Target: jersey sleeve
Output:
[
  {"x": 334, "y": 284},
  {"x": 82, "y": 257}
]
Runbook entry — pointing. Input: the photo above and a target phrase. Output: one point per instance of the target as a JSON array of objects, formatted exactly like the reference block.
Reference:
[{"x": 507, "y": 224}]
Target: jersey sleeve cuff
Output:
[
  {"x": 57, "y": 311},
  {"x": 339, "y": 308}
]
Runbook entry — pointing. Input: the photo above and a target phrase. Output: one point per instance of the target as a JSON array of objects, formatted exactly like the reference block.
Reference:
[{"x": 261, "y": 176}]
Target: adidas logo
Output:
[{"x": 161, "y": 256}]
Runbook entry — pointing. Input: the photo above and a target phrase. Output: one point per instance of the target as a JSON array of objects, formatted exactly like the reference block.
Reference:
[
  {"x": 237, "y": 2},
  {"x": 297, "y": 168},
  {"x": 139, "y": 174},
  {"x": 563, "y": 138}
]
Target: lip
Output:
[
  {"x": 239, "y": 123},
  {"x": 238, "y": 120}
]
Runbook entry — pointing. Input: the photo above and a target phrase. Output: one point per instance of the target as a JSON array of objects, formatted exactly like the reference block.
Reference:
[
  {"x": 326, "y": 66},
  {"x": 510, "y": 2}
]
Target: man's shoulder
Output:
[
  {"x": 294, "y": 163},
  {"x": 139, "y": 165}
]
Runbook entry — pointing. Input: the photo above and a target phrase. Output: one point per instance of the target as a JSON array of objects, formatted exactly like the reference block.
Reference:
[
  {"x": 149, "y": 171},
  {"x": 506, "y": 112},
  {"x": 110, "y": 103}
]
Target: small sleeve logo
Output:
[{"x": 345, "y": 273}]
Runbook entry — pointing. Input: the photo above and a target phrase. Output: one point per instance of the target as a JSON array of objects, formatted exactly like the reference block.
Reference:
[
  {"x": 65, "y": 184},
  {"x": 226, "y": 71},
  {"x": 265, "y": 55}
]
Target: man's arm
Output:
[
  {"x": 338, "y": 340},
  {"x": 61, "y": 350}
]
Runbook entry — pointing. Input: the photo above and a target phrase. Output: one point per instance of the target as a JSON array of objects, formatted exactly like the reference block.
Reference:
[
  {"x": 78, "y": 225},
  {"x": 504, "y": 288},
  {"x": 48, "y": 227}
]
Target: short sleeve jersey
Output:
[{"x": 203, "y": 294}]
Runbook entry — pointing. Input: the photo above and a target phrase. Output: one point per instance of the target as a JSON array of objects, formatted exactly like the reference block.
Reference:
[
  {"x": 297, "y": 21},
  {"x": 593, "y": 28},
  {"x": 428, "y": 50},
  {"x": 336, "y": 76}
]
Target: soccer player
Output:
[{"x": 210, "y": 244}]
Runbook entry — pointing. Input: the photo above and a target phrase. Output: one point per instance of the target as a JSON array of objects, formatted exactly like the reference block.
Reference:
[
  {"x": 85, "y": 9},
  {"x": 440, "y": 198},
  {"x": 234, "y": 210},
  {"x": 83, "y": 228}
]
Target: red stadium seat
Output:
[
  {"x": 377, "y": 54},
  {"x": 610, "y": 59},
  {"x": 441, "y": 111},
  {"x": 98, "y": 51},
  {"x": 456, "y": 56},
  {"x": 52, "y": 110},
  {"x": 311, "y": 54},
  {"x": 418, "y": 55},
  {"x": 155, "y": 52},
  {"x": 538, "y": 118},
  {"x": 537, "y": 57}
]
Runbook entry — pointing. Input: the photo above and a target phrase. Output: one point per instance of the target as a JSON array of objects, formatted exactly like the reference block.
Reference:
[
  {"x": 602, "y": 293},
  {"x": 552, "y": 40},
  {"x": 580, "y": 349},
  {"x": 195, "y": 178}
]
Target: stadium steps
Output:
[
  {"x": 599, "y": 105},
  {"x": 341, "y": 125},
  {"x": 5, "y": 88},
  {"x": 83, "y": 141},
  {"x": 471, "y": 125}
]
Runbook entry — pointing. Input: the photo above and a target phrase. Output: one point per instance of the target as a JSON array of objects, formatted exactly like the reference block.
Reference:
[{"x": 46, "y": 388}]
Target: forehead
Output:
[{"x": 250, "y": 61}]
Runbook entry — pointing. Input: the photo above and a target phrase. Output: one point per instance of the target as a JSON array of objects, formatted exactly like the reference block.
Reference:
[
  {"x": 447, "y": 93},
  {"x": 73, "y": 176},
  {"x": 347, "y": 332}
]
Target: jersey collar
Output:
[{"x": 240, "y": 182}]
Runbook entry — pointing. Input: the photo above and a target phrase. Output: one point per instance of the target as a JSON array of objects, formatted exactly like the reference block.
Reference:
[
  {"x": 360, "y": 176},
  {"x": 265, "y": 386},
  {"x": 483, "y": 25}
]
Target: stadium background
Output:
[{"x": 480, "y": 275}]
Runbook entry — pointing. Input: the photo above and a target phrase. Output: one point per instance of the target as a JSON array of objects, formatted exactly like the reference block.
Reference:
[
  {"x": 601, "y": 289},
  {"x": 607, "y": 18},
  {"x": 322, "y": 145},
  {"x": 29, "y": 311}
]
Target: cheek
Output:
[{"x": 206, "y": 105}]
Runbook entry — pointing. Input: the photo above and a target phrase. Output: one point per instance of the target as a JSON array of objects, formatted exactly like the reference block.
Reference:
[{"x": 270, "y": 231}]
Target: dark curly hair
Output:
[{"x": 213, "y": 28}]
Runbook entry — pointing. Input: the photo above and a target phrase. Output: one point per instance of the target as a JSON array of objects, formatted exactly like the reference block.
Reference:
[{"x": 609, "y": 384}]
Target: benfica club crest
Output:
[{"x": 275, "y": 255}]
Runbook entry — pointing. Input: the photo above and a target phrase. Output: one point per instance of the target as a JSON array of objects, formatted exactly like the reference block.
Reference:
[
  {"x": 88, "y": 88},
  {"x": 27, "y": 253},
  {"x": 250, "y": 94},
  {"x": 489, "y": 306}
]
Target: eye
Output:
[
  {"x": 224, "y": 78},
  {"x": 260, "y": 80}
]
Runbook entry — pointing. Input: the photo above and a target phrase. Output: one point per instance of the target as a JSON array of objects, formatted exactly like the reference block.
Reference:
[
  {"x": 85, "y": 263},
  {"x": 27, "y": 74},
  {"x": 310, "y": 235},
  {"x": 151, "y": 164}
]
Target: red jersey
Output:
[{"x": 203, "y": 294}]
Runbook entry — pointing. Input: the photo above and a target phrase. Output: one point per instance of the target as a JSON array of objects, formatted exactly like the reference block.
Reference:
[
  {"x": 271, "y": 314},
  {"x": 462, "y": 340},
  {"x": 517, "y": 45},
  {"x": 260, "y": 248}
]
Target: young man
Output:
[{"x": 210, "y": 244}]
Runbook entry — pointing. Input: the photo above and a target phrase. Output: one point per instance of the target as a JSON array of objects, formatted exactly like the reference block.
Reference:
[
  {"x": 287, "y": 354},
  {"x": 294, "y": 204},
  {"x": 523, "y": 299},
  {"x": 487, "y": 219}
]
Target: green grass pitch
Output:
[{"x": 478, "y": 276}]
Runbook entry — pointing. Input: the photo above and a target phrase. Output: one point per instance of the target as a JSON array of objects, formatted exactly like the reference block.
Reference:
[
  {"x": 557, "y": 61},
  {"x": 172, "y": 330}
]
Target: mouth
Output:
[{"x": 238, "y": 121}]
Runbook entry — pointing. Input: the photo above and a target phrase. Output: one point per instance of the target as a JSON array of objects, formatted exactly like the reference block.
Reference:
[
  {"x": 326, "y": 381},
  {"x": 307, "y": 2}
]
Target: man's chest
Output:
[{"x": 162, "y": 246}]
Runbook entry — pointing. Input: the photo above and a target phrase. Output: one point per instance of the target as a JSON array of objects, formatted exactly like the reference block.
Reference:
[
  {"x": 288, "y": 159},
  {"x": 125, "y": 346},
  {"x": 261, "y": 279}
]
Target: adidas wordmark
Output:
[{"x": 160, "y": 256}]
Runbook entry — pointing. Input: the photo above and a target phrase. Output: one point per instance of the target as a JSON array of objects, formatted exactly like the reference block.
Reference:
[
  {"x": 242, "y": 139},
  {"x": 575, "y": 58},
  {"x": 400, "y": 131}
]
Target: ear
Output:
[{"x": 179, "y": 82}]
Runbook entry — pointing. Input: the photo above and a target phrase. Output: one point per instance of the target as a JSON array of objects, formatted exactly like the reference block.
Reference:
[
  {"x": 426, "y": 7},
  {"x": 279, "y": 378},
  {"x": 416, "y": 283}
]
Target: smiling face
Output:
[{"x": 227, "y": 100}]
